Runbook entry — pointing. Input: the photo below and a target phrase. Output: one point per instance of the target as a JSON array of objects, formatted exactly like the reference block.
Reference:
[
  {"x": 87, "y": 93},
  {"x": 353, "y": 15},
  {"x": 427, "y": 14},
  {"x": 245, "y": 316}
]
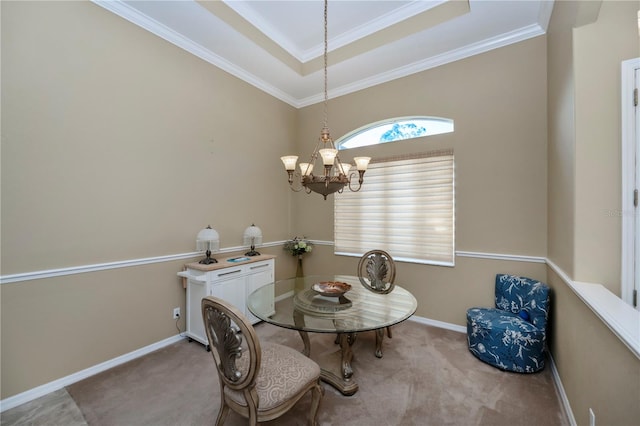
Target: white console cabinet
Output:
[{"x": 229, "y": 281}]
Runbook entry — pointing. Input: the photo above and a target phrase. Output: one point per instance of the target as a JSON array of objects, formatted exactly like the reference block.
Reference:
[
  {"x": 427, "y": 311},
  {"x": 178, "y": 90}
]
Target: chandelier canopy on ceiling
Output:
[{"x": 336, "y": 175}]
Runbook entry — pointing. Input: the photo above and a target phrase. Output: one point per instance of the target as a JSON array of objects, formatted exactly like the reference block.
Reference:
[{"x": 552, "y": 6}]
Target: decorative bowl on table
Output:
[{"x": 331, "y": 288}]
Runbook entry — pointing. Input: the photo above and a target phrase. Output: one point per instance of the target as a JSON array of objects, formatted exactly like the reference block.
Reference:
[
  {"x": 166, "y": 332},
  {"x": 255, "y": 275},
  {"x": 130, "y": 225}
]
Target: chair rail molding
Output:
[
  {"x": 498, "y": 256},
  {"x": 49, "y": 273},
  {"x": 621, "y": 318},
  {"x": 28, "y": 276}
]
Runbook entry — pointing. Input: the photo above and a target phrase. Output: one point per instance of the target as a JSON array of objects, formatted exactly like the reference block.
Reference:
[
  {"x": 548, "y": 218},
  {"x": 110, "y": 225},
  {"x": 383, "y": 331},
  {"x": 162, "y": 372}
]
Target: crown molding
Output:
[
  {"x": 132, "y": 15},
  {"x": 398, "y": 15},
  {"x": 483, "y": 46}
]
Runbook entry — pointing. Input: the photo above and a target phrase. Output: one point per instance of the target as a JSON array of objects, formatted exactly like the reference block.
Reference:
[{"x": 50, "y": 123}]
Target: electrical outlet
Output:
[
  {"x": 592, "y": 418},
  {"x": 176, "y": 313}
]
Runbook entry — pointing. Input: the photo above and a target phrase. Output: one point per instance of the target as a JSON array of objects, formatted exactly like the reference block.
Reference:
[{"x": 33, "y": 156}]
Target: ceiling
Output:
[{"x": 277, "y": 46}]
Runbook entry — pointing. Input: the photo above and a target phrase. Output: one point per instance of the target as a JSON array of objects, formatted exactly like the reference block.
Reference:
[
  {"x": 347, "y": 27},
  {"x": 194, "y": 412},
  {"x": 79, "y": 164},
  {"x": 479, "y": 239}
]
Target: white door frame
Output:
[{"x": 629, "y": 149}]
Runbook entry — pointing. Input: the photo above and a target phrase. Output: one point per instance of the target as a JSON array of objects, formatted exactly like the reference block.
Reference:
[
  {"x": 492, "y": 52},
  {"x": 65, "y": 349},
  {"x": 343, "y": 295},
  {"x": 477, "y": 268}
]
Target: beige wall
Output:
[
  {"x": 117, "y": 145},
  {"x": 597, "y": 371},
  {"x": 599, "y": 48},
  {"x": 561, "y": 137}
]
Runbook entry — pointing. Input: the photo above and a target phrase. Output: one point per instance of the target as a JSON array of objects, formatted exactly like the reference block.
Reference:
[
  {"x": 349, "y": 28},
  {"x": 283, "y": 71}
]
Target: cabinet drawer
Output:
[{"x": 226, "y": 273}]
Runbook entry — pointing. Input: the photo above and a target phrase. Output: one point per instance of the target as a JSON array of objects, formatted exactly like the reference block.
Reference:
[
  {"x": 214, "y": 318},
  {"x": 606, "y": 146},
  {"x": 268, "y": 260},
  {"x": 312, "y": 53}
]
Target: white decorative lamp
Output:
[
  {"x": 252, "y": 236},
  {"x": 208, "y": 240}
]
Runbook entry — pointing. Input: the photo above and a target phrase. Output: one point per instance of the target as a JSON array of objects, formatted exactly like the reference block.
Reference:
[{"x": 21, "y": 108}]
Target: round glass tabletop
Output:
[{"x": 315, "y": 304}]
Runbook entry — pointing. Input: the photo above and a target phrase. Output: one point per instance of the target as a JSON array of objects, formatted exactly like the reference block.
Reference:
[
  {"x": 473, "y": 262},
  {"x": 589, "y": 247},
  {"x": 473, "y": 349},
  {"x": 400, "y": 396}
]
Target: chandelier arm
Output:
[
  {"x": 292, "y": 181},
  {"x": 360, "y": 180},
  {"x": 340, "y": 165}
]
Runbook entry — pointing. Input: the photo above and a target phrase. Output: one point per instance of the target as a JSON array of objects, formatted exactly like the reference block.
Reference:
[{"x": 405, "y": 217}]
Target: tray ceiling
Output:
[{"x": 277, "y": 46}]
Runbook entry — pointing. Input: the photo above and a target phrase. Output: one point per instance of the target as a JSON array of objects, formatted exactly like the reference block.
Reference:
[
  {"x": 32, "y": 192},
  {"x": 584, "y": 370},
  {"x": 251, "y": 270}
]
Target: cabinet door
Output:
[
  {"x": 232, "y": 290},
  {"x": 260, "y": 274}
]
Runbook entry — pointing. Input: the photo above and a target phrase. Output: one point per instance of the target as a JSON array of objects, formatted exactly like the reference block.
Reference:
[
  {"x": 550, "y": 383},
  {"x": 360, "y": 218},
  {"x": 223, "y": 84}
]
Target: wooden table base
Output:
[{"x": 336, "y": 366}]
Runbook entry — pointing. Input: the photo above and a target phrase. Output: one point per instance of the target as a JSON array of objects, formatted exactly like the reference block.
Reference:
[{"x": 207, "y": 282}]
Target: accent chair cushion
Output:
[
  {"x": 505, "y": 340},
  {"x": 511, "y": 336}
]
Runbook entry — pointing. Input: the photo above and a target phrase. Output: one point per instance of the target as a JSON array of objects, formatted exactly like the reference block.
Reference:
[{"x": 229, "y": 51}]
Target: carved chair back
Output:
[
  {"x": 377, "y": 271},
  {"x": 225, "y": 327}
]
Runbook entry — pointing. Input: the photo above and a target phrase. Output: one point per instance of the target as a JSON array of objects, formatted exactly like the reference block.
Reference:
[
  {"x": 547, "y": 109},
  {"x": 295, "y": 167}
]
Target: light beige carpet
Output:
[{"x": 426, "y": 377}]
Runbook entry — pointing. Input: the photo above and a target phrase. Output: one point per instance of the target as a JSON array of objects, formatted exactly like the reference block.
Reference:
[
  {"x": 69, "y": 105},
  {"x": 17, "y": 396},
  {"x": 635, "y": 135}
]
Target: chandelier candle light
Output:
[{"x": 330, "y": 181}]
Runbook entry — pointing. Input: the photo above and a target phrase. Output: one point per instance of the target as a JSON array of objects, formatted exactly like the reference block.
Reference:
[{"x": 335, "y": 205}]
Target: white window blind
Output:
[{"x": 405, "y": 207}]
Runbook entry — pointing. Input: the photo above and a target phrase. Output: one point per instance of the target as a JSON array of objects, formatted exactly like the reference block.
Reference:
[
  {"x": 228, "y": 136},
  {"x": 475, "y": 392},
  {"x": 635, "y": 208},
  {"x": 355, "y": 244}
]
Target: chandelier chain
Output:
[{"x": 326, "y": 97}]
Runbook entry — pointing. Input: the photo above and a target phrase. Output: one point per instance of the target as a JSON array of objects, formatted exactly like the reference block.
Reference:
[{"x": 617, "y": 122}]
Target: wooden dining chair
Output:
[
  {"x": 377, "y": 272},
  {"x": 258, "y": 381}
]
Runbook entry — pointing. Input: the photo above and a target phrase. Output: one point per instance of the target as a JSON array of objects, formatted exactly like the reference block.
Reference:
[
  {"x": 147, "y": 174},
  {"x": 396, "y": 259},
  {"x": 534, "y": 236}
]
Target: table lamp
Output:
[
  {"x": 209, "y": 240},
  {"x": 252, "y": 236}
]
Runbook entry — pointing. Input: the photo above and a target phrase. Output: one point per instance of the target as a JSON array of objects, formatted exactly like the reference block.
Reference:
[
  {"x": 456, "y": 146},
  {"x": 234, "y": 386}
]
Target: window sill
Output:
[{"x": 620, "y": 317}]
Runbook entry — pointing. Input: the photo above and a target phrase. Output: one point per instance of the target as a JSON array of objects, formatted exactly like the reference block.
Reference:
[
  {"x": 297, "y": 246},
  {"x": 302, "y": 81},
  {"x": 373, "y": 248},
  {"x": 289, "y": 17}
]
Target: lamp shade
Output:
[
  {"x": 328, "y": 155},
  {"x": 289, "y": 161},
  {"x": 362, "y": 162},
  {"x": 208, "y": 239},
  {"x": 253, "y": 235},
  {"x": 343, "y": 168},
  {"x": 306, "y": 168}
]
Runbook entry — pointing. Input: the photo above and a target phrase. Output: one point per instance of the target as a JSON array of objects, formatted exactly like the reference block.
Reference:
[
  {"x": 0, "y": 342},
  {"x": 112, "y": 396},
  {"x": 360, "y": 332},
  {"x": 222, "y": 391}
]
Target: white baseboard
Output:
[
  {"x": 47, "y": 388},
  {"x": 439, "y": 324},
  {"x": 560, "y": 389}
]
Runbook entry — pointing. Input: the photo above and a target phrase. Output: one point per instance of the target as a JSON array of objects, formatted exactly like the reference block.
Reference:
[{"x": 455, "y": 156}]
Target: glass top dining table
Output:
[{"x": 307, "y": 304}]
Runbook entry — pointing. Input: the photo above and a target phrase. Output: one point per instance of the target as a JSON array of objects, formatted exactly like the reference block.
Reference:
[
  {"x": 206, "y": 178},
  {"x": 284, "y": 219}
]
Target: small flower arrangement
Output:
[{"x": 298, "y": 246}]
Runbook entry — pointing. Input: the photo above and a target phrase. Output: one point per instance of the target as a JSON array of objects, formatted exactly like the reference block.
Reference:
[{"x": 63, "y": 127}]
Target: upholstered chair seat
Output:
[
  {"x": 259, "y": 381},
  {"x": 283, "y": 371},
  {"x": 511, "y": 336}
]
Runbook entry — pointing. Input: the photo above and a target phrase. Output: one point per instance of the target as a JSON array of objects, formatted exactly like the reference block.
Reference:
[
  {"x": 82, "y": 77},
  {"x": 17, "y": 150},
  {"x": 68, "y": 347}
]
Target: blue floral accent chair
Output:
[{"x": 512, "y": 336}]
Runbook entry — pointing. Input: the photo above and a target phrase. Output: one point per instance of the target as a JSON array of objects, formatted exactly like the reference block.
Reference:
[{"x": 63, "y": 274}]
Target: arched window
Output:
[
  {"x": 406, "y": 205},
  {"x": 394, "y": 129}
]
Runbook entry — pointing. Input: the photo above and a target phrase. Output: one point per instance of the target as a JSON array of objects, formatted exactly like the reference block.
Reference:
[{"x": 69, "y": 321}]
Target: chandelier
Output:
[{"x": 335, "y": 174}]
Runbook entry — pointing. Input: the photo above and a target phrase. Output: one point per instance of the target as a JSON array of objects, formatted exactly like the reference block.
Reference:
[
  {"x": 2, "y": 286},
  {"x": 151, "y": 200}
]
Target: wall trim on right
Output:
[
  {"x": 628, "y": 159},
  {"x": 618, "y": 316}
]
